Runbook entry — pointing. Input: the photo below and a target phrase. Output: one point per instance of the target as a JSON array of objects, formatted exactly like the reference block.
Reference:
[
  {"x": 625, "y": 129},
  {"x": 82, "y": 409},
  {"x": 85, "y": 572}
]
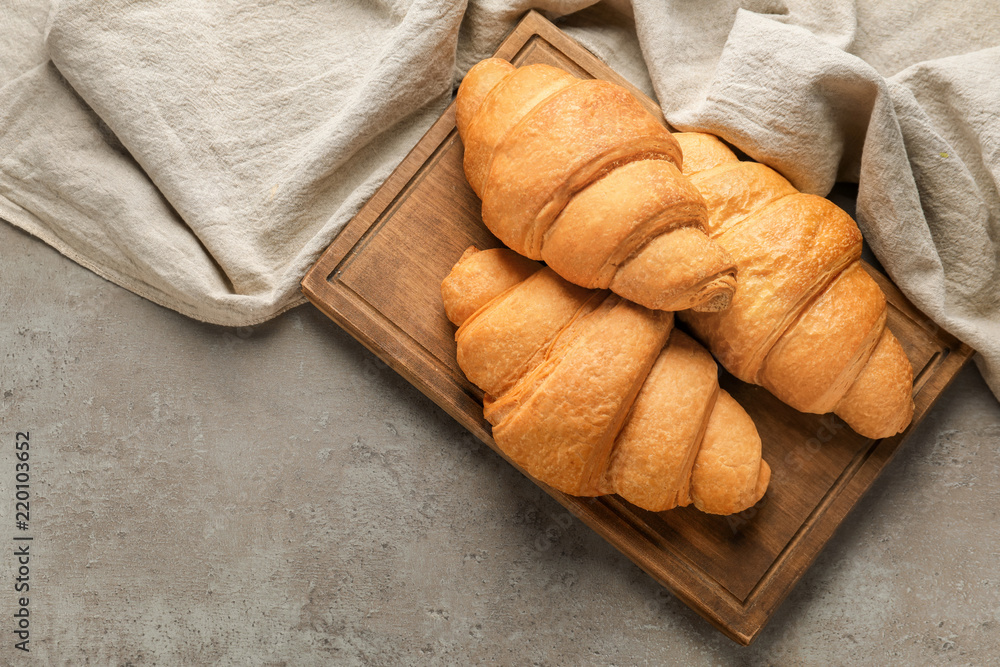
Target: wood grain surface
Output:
[{"x": 380, "y": 280}]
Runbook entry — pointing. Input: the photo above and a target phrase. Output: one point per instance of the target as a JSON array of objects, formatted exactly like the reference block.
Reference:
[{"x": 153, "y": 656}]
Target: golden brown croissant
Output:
[
  {"x": 807, "y": 322},
  {"x": 593, "y": 394},
  {"x": 579, "y": 174}
]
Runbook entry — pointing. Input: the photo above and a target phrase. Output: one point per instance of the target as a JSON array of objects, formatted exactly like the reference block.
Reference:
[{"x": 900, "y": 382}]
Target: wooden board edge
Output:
[
  {"x": 741, "y": 621},
  {"x": 817, "y": 532},
  {"x": 535, "y": 23},
  {"x": 679, "y": 578}
]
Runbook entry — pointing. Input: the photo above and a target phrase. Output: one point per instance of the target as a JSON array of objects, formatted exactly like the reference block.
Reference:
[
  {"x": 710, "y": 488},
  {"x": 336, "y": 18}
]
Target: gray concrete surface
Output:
[{"x": 276, "y": 496}]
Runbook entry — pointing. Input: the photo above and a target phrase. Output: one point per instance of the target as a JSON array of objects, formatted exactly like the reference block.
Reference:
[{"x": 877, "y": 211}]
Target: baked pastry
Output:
[
  {"x": 579, "y": 174},
  {"x": 807, "y": 321},
  {"x": 593, "y": 394}
]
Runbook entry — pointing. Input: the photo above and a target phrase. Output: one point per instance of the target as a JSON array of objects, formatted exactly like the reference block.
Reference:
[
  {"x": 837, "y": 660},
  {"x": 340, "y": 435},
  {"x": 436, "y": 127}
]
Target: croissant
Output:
[
  {"x": 579, "y": 174},
  {"x": 807, "y": 322},
  {"x": 593, "y": 394}
]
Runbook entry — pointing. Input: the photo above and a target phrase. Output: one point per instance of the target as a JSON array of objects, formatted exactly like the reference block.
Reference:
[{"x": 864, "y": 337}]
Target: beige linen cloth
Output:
[{"x": 202, "y": 154}]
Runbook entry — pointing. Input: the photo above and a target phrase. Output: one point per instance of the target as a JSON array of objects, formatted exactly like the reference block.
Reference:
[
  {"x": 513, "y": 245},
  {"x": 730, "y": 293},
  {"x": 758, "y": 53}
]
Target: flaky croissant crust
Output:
[
  {"x": 592, "y": 394},
  {"x": 579, "y": 174},
  {"x": 807, "y": 321}
]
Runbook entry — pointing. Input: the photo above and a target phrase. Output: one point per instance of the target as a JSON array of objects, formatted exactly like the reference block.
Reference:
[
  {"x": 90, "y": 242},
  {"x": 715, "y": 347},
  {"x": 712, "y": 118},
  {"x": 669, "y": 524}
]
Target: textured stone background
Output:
[{"x": 275, "y": 495}]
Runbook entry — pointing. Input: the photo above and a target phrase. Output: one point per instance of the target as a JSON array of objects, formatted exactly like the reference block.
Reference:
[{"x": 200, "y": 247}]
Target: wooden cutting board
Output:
[{"x": 380, "y": 280}]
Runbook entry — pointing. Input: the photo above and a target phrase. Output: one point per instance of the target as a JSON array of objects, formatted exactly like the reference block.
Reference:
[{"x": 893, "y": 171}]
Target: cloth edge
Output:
[{"x": 16, "y": 216}]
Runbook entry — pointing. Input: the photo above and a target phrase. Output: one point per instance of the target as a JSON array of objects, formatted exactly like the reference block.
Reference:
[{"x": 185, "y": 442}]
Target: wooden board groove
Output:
[{"x": 380, "y": 278}]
